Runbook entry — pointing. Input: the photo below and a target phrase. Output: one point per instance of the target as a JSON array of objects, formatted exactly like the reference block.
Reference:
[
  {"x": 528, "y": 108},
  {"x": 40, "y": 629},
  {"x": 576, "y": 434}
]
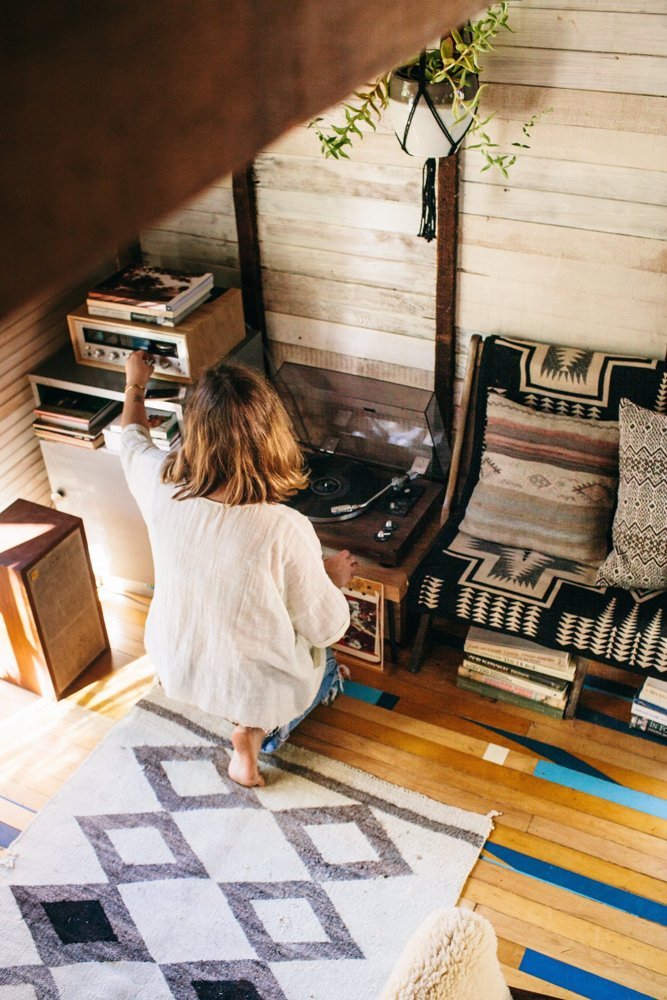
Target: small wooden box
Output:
[{"x": 51, "y": 624}]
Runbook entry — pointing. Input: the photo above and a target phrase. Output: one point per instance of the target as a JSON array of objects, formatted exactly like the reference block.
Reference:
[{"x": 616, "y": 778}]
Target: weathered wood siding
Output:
[
  {"x": 570, "y": 248},
  {"x": 27, "y": 338},
  {"x": 201, "y": 236}
]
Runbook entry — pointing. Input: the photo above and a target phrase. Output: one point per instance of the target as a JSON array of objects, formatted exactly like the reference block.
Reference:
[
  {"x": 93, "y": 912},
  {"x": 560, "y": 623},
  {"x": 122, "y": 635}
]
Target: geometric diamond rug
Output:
[{"x": 152, "y": 876}]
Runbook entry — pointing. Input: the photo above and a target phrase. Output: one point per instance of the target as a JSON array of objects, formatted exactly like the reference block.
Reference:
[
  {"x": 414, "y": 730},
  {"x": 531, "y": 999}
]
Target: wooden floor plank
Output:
[
  {"x": 598, "y": 847},
  {"x": 509, "y": 784},
  {"x": 626, "y": 924},
  {"x": 597, "y": 752},
  {"x": 575, "y": 860},
  {"x": 557, "y": 944}
]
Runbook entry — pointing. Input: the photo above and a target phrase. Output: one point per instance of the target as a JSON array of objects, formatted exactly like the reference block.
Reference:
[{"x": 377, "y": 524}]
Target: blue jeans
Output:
[{"x": 330, "y": 688}]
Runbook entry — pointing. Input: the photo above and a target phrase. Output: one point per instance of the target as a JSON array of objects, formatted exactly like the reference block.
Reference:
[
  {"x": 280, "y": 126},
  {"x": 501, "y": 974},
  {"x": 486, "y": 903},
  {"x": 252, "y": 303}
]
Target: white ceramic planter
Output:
[{"x": 425, "y": 137}]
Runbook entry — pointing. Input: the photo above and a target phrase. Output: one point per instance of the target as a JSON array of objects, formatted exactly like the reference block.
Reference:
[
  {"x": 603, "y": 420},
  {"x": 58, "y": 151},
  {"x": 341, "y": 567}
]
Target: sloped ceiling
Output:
[{"x": 113, "y": 114}]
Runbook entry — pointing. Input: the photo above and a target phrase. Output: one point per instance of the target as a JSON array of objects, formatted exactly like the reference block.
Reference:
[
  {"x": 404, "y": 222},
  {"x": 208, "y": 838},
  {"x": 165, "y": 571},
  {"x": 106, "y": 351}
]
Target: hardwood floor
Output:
[{"x": 574, "y": 875}]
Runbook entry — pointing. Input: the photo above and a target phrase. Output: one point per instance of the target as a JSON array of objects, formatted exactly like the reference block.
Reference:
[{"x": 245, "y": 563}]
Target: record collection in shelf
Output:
[
  {"x": 514, "y": 670},
  {"x": 73, "y": 417},
  {"x": 163, "y": 429}
]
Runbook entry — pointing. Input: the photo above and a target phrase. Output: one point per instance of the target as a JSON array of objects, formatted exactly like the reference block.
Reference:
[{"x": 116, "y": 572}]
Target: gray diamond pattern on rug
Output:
[
  {"x": 243, "y": 898},
  {"x": 222, "y": 981},
  {"x": 96, "y": 926},
  {"x": 151, "y": 875},
  {"x": 140, "y": 846},
  {"x": 371, "y": 852}
]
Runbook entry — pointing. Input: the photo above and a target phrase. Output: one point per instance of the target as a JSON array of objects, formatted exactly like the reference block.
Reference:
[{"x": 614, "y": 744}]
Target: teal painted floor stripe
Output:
[
  {"x": 568, "y": 977},
  {"x": 362, "y": 692},
  {"x": 652, "y": 805}
]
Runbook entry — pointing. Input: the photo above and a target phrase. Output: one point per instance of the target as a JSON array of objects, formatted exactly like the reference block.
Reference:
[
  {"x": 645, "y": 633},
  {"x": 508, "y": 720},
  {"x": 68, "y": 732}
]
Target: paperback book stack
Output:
[
  {"x": 164, "y": 431},
  {"x": 150, "y": 295},
  {"x": 649, "y": 708},
  {"x": 74, "y": 418},
  {"x": 515, "y": 670}
]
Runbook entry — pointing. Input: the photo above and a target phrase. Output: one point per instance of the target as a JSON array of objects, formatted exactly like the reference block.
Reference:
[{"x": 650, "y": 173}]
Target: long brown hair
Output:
[{"x": 236, "y": 438}]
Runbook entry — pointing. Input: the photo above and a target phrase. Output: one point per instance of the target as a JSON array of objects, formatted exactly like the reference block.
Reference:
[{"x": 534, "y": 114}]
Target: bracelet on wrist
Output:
[{"x": 135, "y": 385}]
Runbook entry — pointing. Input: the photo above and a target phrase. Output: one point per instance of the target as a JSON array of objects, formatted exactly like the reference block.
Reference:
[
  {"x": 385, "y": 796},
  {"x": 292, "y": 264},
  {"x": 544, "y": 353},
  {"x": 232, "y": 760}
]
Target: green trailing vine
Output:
[{"x": 456, "y": 61}]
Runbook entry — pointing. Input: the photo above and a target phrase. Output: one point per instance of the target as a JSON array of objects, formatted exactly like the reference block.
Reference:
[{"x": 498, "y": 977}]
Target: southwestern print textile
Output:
[{"x": 550, "y": 599}]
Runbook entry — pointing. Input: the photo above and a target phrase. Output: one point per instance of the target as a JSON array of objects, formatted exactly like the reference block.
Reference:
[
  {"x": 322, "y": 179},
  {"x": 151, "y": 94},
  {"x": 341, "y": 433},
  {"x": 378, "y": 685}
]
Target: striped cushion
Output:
[
  {"x": 639, "y": 557},
  {"x": 546, "y": 483}
]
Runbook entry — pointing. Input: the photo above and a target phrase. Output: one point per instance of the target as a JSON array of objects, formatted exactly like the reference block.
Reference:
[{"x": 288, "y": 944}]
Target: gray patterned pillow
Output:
[{"x": 638, "y": 560}]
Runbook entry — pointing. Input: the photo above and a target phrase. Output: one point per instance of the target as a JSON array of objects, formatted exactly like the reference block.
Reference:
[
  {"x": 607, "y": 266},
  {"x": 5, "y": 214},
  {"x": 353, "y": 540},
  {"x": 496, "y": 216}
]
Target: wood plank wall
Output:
[
  {"x": 569, "y": 249},
  {"x": 27, "y": 337}
]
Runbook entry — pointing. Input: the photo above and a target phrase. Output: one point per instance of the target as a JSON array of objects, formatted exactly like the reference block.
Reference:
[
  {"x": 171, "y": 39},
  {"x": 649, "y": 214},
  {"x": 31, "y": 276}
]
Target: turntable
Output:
[{"x": 377, "y": 456}]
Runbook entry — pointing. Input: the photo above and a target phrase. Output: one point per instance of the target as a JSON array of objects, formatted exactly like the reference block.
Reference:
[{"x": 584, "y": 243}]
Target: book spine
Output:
[
  {"x": 529, "y": 673},
  {"x": 121, "y": 311},
  {"x": 640, "y": 707},
  {"x": 512, "y": 699},
  {"x": 521, "y": 659},
  {"x": 653, "y": 696},
  {"x": 648, "y": 725},
  {"x": 504, "y": 683}
]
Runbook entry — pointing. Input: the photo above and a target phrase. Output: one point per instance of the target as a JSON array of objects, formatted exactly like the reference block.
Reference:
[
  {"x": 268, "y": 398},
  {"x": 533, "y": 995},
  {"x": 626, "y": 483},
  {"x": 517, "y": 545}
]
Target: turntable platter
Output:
[{"x": 334, "y": 481}]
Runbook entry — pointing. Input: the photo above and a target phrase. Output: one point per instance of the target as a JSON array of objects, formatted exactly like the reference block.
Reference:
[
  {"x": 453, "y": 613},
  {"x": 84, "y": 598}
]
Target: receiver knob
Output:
[
  {"x": 113, "y": 355},
  {"x": 98, "y": 353},
  {"x": 164, "y": 362}
]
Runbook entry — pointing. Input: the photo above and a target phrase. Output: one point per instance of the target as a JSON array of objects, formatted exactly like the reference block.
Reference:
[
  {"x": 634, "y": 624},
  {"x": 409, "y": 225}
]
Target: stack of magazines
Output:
[
  {"x": 150, "y": 295},
  {"x": 73, "y": 418},
  {"x": 649, "y": 708},
  {"x": 164, "y": 431},
  {"x": 515, "y": 670}
]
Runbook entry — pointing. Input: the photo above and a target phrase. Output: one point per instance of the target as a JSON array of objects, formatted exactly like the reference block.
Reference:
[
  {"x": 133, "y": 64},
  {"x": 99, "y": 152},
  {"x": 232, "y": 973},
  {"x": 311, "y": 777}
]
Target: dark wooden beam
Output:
[
  {"x": 114, "y": 114},
  {"x": 445, "y": 291},
  {"x": 245, "y": 210}
]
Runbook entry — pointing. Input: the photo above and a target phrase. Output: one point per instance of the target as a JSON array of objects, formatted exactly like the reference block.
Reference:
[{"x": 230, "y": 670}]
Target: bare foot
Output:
[{"x": 243, "y": 768}]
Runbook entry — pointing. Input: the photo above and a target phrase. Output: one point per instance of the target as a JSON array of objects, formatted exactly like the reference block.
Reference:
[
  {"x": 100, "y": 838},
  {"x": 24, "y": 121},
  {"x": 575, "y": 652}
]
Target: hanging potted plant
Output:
[{"x": 434, "y": 100}]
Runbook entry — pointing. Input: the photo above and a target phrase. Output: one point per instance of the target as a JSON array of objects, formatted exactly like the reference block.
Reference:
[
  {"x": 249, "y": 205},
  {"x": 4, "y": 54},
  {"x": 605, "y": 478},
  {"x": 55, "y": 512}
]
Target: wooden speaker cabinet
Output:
[{"x": 51, "y": 625}]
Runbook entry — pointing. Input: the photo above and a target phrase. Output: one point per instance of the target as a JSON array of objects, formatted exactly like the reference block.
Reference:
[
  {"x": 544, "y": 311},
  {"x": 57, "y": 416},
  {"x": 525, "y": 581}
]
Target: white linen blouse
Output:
[{"x": 243, "y": 609}]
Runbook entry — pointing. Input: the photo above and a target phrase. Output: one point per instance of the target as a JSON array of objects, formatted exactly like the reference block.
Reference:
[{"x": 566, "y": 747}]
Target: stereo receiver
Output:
[{"x": 180, "y": 352}]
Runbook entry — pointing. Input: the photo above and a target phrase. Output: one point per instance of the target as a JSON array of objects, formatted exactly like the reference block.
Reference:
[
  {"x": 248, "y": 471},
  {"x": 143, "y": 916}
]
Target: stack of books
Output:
[
  {"x": 515, "y": 670},
  {"x": 150, "y": 295},
  {"x": 649, "y": 708},
  {"x": 164, "y": 431},
  {"x": 74, "y": 418}
]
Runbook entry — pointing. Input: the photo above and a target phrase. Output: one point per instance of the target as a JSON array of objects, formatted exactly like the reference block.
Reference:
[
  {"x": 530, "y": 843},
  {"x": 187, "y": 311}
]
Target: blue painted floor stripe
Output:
[
  {"x": 652, "y": 805},
  {"x": 370, "y": 695},
  {"x": 556, "y": 754},
  {"x": 587, "y": 984},
  {"x": 581, "y": 885},
  {"x": 7, "y": 834}
]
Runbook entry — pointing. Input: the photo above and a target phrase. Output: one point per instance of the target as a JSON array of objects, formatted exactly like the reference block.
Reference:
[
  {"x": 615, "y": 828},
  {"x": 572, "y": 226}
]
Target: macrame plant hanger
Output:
[{"x": 428, "y": 220}]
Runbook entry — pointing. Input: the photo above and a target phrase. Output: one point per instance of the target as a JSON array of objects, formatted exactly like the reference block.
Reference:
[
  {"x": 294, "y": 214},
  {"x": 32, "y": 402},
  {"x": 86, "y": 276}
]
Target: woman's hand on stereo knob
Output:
[
  {"x": 139, "y": 368},
  {"x": 340, "y": 568}
]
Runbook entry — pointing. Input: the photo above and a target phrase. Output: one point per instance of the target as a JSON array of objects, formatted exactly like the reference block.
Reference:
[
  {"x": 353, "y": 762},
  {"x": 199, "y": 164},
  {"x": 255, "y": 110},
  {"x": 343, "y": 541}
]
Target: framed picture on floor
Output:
[{"x": 364, "y": 640}]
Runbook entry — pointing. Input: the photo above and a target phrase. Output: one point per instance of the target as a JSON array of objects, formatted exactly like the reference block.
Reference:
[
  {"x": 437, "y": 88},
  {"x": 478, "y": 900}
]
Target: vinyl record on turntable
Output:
[{"x": 335, "y": 481}]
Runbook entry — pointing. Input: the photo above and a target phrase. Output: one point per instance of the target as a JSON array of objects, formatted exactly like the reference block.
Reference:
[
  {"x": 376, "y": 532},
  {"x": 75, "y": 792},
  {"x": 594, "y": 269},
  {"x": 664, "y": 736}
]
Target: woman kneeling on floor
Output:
[{"x": 244, "y": 606}]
